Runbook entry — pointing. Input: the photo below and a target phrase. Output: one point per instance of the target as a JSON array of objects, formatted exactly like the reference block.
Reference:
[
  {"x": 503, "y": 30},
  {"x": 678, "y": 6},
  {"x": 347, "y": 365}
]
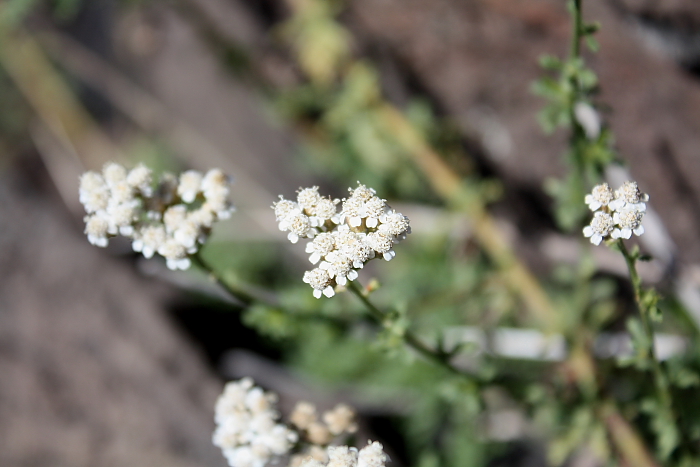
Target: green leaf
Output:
[
  {"x": 587, "y": 79},
  {"x": 550, "y": 62},
  {"x": 270, "y": 322},
  {"x": 592, "y": 44},
  {"x": 590, "y": 28},
  {"x": 548, "y": 87},
  {"x": 663, "y": 425}
]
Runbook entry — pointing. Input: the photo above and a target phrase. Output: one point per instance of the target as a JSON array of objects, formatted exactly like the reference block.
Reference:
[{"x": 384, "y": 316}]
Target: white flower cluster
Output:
[
  {"x": 335, "y": 422},
  {"x": 617, "y": 213},
  {"x": 372, "y": 455},
  {"x": 247, "y": 430},
  {"x": 172, "y": 219},
  {"x": 343, "y": 241}
]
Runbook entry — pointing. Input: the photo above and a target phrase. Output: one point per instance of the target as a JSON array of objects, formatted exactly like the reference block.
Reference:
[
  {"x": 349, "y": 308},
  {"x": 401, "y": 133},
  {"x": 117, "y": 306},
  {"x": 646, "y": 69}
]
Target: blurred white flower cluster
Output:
[
  {"x": 320, "y": 432},
  {"x": 249, "y": 434},
  {"x": 372, "y": 455},
  {"x": 172, "y": 217},
  {"x": 342, "y": 241},
  {"x": 617, "y": 214},
  {"x": 247, "y": 430}
]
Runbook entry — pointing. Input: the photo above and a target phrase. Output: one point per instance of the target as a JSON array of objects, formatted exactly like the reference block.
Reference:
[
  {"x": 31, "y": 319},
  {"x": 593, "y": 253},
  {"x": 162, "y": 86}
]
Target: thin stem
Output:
[
  {"x": 240, "y": 295},
  {"x": 660, "y": 379},
  {"x": 578, "y": 134},
  {"x": 432, "y": 354},
  {"x": 575, "y": 51}
]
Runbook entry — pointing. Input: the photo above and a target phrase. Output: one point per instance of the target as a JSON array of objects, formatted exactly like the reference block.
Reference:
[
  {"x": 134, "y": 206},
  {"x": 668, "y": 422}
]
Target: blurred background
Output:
[{"x": 110, "y": 360}]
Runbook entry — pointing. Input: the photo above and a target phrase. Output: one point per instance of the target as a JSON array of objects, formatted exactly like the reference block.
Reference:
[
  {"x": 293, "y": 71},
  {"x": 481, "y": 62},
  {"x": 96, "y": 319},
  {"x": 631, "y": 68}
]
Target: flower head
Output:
[
  {"x": 617, "y": 214},
  {"x": 320, "y": 280},
  {"x": 248, "y": 431},
  {"x": 164, "y": 219},
  {"x": 341, "y": 419},
  {"x": 600, "y": 227},
  {"x": 627, "y": 221},
  {"x": 343, "y": 241},
  {"x": 629, "y": 197},
  {"x": 601, "y": 195}
]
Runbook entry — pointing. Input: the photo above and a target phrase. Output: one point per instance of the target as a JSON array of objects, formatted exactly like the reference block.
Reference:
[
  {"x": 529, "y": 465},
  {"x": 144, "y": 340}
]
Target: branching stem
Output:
[{"x": 437, "y": 356}]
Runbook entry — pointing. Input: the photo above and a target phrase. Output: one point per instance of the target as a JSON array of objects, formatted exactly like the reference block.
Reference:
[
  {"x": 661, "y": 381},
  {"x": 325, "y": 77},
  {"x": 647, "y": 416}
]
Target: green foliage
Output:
[
  {"x": 664, "y": 426},
  {"x": 14, "y": 12}
]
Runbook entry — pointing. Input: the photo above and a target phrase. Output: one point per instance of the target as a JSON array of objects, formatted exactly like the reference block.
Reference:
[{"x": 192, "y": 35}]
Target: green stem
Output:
[
  {"x": 575, "y": 50},
  {"x": 242, "y": 296},
  {"x": 660, "y": 380},
  {"x": 379, "y": 316},
  {"x": 578, "y": 135}
]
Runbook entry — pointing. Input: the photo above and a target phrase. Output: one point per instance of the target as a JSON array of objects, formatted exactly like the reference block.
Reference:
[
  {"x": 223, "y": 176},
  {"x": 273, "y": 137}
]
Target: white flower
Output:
[
  {"x": 352, "y": 211},
  {"x": 283, "y": 208},
  {"x": 325, "y": 209},
  {"x": 618, "y": 214},
  {"x": 114, "y": 173},
  {"x": 364, "y": 228},
  {"x": 395, "y": 224},
  {"x": 149, "y": 239},
  {"x": 341, "y": 419},
  {"x": 601, "y": 195},
  {"x": 374, "y": 209},
  {"x": 311, "y": 462},
  {"x": 372, "y": 455},
  {"x": 247, "y": 430},
  {"x": 121, "y": 217},
  {"x": 124, "y": 203},
  {"x": 187, "y": 234},
  {"x": 190, "y": 185},
  {"x": 174, "y": 216},
  {"x": 342, "y": 456},
  {"x": 353, "y": 245},
  {"x": 362, "y": 192},
  {"x": 203, "y": 216},
  {"x": 382, "y": 244},
  {"x": 628, "y": 221},
  {"x": 308, "y": 198},
  {"x": 94, "y": 192},
  {"x": 629, "y": 197},
  {"x": 96, "y": 227},
  {"x": 303, "y": 415},
  {"x": 140, "y": 178},
  {"x": 121, "y": 192},
  {"x": 299, "y": 226},
  {"x": 601, "y": 226},
  {"x": 339, "y": 267},
  {"x": 321, "y": 245},
  {"x": 175, "y": 254},
  {"x": 320, "y": 281}
]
